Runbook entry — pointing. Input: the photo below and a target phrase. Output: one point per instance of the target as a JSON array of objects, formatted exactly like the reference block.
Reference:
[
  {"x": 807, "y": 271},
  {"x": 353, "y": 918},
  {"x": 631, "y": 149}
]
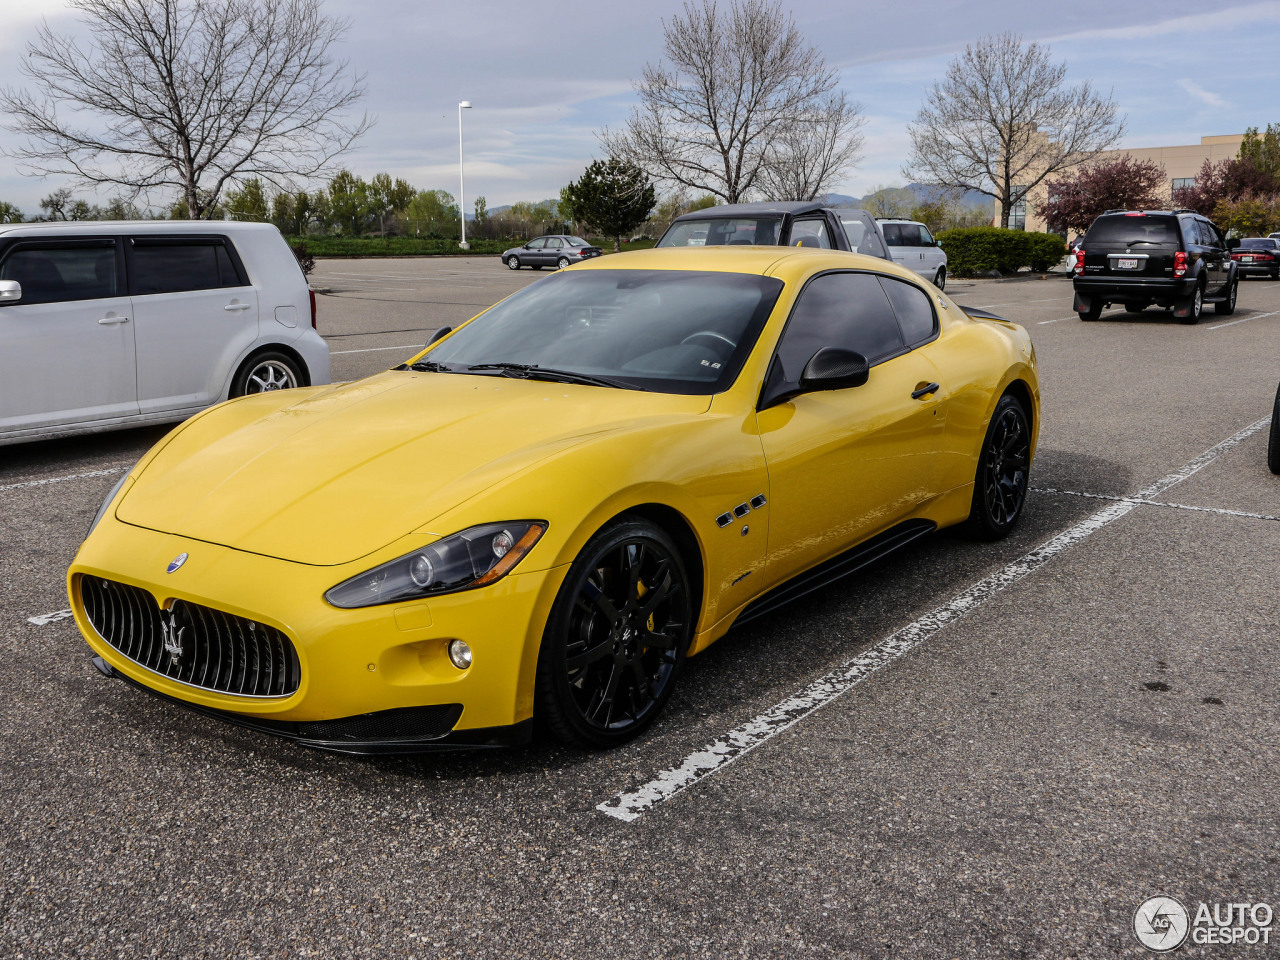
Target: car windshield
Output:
[
  {"x": 671, "y": 331},
  {"x": 1136, "y": 228},
  {"x": 1252, "y": 243},
  {"x": 721, "y": 231}
]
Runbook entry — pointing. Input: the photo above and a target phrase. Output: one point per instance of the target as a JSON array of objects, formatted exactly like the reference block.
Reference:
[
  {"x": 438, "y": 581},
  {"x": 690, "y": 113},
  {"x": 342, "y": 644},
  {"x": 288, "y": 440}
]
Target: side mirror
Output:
[
  {"x": 442, "y": 332},
  {"x": 10, "y": 291},
  {"x": 833, "y": 368}
]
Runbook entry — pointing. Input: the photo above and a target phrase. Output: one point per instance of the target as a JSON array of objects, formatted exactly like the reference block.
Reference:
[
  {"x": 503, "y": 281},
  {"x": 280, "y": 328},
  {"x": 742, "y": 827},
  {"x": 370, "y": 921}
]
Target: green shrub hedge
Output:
[
  {"x": 972, "y": 251},
  {"x": 395, "y": 246}
]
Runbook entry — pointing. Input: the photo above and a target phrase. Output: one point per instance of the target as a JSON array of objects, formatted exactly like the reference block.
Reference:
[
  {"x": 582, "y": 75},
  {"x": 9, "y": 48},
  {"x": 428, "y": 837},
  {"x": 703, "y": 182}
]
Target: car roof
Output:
[
  {"x": 71, "y": 228},
  {"x": 898, "y": 220},
  {"x": 761, "y": 260}
]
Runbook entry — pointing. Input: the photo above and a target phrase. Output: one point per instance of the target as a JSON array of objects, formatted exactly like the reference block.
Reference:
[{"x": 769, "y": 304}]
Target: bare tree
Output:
[
  {"x": 187, "y": 95},
  {"x": 810, "y": 155},
  {"x": 742, "y": 91},
  {"x": 1002, "y": 120}
]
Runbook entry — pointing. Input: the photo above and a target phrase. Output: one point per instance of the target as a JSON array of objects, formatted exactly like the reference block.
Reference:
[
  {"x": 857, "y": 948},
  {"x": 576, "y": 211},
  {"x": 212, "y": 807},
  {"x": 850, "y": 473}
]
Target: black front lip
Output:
[{"x": 304, "y": 733}]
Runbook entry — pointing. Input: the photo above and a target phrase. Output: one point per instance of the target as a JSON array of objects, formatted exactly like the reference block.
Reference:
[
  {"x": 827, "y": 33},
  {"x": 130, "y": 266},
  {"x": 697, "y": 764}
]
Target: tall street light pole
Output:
[{"x": 462, "y": 180}]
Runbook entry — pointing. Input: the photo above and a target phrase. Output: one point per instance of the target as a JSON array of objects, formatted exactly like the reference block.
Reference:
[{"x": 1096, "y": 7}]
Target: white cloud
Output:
[{"x": 1201, "y": 94}]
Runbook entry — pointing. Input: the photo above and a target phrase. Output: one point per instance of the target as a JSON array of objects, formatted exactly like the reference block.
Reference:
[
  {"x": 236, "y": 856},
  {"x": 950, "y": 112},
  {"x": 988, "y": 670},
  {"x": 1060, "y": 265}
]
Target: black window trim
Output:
[
  {"x": 102, "y": 240},
  {"x": 907, "y": 348},
  {"x": 184, "y": 239}
]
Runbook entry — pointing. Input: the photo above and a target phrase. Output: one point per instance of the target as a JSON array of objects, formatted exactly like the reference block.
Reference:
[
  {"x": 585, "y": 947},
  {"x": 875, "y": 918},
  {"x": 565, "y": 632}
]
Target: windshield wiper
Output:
[
  {"x": 431, "y": 366},
  {"x": 531, "y": 371}
]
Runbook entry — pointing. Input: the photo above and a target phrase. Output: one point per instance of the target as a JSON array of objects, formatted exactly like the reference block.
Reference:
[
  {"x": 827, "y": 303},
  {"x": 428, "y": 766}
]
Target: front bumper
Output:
[{"x": 356, "y": 666}]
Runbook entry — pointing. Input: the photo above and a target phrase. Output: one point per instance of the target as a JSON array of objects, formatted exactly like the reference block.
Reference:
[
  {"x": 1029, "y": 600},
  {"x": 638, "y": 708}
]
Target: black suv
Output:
[{"x": 1173, "y": 258}]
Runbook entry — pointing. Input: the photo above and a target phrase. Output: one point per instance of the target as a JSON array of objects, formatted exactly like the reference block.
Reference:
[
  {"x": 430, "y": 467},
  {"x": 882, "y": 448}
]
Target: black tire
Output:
[
  {"x": 562, "y": 263},
  {"x": 1194, "y": 305},
  {"x": 1135, "y": 307},
  {"x": 940, "y": 278},
  {"x": 1000, "y": 485},
  {"x": 536, "y": 266},
  {"x": 1228, "y": 306},
  {"x": 609, "y": 658},
  {"x": 1094, "y": 310},
  {"x": 1273, "y": 438},
  {"x": 513, "y": 263},
  {"x": 264, "y": 372}
]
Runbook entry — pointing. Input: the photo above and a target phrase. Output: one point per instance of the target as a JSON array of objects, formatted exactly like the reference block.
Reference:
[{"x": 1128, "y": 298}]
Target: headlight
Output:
[
  {"x": 102, "y": 510},
  {"x": 476, "y": 557}
]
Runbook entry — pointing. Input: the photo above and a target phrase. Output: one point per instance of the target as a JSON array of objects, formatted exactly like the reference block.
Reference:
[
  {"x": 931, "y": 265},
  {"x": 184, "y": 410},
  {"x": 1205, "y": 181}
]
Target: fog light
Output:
[{"x": 460, "y": 654}]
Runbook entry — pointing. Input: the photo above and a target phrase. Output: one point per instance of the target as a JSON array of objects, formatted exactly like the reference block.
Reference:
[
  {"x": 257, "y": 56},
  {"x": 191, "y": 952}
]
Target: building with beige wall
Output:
[{"x": 1181, "y": 165}]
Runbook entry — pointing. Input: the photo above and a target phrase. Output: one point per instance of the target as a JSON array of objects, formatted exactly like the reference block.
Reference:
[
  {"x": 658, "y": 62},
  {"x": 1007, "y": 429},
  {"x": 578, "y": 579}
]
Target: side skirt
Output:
[{"x": 849, "y": 562}]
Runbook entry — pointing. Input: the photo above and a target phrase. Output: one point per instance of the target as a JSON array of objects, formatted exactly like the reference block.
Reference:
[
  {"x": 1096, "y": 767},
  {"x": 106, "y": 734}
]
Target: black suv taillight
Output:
[
  {"x": 1180, "y": 263},
  {"x": 1079, "y": 267}
]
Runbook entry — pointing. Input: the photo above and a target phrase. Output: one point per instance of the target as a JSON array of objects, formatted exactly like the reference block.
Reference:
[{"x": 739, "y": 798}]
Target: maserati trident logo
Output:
[
  {"x": 173, "y": 636},
  {"x": 177, "y": 561}
]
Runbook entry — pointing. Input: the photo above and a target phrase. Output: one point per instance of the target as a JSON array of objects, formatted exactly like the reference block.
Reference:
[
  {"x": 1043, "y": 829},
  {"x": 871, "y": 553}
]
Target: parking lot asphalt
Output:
[{"x": 1060, "y": 726}]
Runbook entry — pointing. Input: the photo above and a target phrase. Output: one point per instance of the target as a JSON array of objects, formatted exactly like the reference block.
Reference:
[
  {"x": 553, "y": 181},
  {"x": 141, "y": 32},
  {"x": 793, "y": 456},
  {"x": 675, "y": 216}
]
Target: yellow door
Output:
[{"x": 846, "y": 464}]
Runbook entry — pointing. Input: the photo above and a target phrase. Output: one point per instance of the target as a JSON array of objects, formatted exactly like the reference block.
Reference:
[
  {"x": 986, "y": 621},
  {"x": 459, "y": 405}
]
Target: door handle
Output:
[
  {"x": 232, "y": 307},
  {"x": 921, "y": 392},
  {"x": 111, "y": 321}
]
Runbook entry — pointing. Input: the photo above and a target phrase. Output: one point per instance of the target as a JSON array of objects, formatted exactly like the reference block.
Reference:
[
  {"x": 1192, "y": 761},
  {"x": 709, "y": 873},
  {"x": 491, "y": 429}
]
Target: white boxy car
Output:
[
  {"x": 116, "y": 324},
  {"x": 912, "y": 245}
]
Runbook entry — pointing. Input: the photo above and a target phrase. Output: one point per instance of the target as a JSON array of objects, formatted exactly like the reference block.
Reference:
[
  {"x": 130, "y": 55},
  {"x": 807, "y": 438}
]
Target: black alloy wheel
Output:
[
  {"x": 616, "y": 638},
  {"x": 1000, "y": 487},
  {"x": 562, "y": 262},
  {"x": 513, "y": 263},
  {"x": 1228, "y": 306},
  {"x": 1273, "y": 438}
]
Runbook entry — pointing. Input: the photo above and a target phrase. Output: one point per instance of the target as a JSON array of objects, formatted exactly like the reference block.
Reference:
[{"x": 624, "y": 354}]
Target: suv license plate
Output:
[{"x": 1127, "y": 263}]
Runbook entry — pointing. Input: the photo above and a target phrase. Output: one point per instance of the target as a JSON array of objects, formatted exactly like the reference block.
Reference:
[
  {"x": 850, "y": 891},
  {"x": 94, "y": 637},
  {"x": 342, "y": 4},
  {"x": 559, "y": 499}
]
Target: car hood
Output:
[{"x": 333, "y": 476}]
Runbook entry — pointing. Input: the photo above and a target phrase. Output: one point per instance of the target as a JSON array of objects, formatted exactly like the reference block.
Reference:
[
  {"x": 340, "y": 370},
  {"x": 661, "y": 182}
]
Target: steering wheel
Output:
[{"x": 712, "y": 339}]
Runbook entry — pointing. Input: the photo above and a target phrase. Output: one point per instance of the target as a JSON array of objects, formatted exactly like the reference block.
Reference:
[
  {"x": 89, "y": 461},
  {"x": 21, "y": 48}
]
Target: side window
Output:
[
  {"x": 554, "y": 243},
  {"x": 926, "y": 238},
  {"x": 910, "y": 235},
  {"x": 846, "y": 310},
  {"x": 53, "y": 274},
  {"x": 913, "y": 308},
  {"x": 158, "y": 266},
  {"x": 1190, "y": 232},
  {"x": 1205, "y": 232},
  {"x": 810, "y": 233},
  {"x": 893, "y": 234},
  {"x": 537, "y": 244},
  {"x": 1215, "y": 235}
]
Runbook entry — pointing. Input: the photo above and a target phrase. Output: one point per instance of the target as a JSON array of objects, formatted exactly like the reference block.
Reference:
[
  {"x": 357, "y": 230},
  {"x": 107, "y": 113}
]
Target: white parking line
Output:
[
  {"x": 412, "y": 346},
  {"x": 740, "y": 741},
  {"x": 1158, "y": 503},
  {"x": 1232, "y": 323},
  {"x": 1057, "y": 319},
  {"x": 46, "y": 618},
  {"x": 64, "y": 478},
  {"x": 1009, "y": 303}
]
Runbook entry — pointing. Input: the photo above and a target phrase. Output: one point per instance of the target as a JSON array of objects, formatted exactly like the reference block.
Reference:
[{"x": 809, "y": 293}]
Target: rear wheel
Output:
[
  {"x": 1273, "y": 439},
  {"x": 1228, "y": 306},
  {"x": 562, "y": 262},
  {"x": 940, "y": 278},
  {"x": 1000, "y": 486},
  {"x": 266, "y": 372},
  {"x": 616, "y": 638},
  {"x": 1093, "y": 311},
  {"x": 513, "y": 263},
  {"x": 1135, "y": 307}
]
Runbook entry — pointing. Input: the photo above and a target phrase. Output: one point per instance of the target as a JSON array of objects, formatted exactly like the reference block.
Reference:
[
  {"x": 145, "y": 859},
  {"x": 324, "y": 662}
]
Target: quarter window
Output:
[
  {"x": 169, "y": 267},
  {"x": 846, "y": 310},
  {"x": 913, "y": 309},
  {"x": 810, "y": 233},
  {"x": 52, "y": 274}
]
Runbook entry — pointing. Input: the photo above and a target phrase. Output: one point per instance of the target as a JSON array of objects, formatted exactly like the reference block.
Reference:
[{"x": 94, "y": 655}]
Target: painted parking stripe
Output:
[
  {"x": 46, "y": 618},
  {"x": 415, "y": 347},
  {"x": 1256, "y": 316},
  {"x": 1058, "y": 319},
  {"x": 740, "y": 741},
  {"x": 1223, "y": 511},
  {"x": 64, "y": 478}
]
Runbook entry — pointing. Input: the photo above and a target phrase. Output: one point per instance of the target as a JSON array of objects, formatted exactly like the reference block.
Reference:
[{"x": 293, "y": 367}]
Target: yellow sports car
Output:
[{"x": 547, "y": 510}]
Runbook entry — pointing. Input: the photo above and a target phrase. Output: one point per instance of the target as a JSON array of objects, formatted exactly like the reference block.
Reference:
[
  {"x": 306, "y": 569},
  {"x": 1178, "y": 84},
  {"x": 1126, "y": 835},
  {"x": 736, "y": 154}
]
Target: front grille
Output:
[{"x": 190, "y": 643}]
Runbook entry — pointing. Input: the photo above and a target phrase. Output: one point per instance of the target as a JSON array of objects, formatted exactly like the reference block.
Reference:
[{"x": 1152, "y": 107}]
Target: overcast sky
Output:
[{"x": 545, "y": 75}]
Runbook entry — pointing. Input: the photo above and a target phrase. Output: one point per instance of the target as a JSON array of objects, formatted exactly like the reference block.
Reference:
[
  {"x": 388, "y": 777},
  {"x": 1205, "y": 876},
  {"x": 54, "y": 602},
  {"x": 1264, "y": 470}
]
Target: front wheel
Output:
[
  {"x": 616, "y": 638},
  {"x": 1228, "y": 306},
  {"x": 1273, "y": 439},
  {"x": 1000, "y": 486},
  {"x": 266, "y": 372},
  {"x": 940, "y": 278},
  {"x": 562, "y": 262},
  {"x": 513, "y": 263}
]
